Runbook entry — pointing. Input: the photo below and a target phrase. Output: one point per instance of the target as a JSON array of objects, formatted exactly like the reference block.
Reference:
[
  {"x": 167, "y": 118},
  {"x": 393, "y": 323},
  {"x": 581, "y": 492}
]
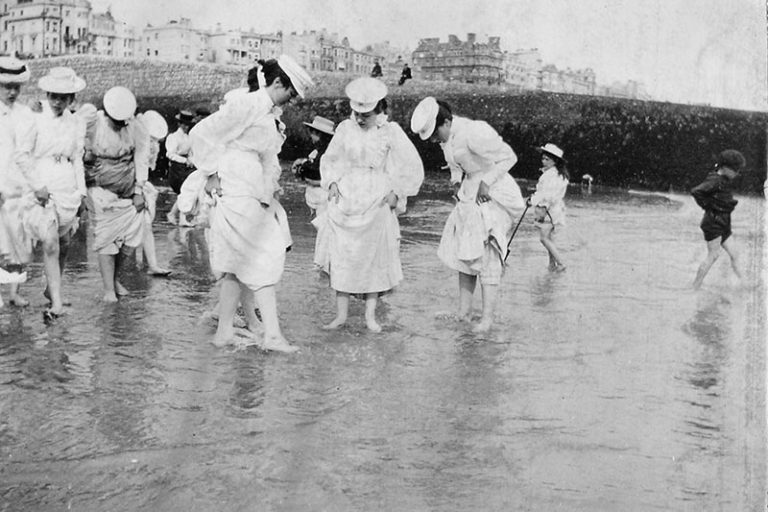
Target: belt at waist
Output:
[{"x": 56, "y": 159}]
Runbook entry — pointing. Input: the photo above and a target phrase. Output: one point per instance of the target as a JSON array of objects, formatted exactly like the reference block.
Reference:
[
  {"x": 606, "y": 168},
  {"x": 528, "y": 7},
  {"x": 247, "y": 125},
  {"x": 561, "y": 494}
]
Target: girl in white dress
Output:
[
  {"x": 237, "y": 148},
  {"x": 548, "y": 201},
  {"x": 488, "y": 200},
  {"x": 369, "y": 170}
]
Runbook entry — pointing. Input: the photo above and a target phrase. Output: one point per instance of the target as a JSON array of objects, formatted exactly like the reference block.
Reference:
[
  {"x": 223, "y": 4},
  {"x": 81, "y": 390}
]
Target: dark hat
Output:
[
  {"x": 185, "y": 117},
  {"x": 732, "y": 159}
]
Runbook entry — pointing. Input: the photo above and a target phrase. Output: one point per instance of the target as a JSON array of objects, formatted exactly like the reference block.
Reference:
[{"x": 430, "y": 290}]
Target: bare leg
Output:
[
  {"x": 490, "y": 292},
  {"x": 467, "y": 285},
  {"x": 370, "y": 312},
  {"x": 150, "y": 254},
  {"x": 713, "y": 252},
  {"x": 545, "y": 236},
  {"x": 273, "y": 337},
  {"x": 734, "y": 255},
  {"x": 248, "y": 302},
  {"x": 229, "y": 295},
  {"x": 173, "y": 215},
  {"x": 342, "y": 310},
  {"x": 53, "y": 269},
  {"x": 123, "y": 253},
  {"x": 107, "y": 270}
]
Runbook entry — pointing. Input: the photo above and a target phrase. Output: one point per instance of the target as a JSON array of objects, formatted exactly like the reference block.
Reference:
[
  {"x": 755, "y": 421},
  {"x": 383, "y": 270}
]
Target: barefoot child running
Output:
[{"x": 715, "y": 197}]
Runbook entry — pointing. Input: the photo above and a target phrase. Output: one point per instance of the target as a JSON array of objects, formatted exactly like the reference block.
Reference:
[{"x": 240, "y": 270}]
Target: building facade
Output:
[
  {"x": 523, "y": 69},
  {"x": 239, "y": 47},
  {"x": 464, "y": 61},
  {"x": 582, "y": 81},
  {"x": 34, "y": 28},
  {"x": 177, "y": 40}
]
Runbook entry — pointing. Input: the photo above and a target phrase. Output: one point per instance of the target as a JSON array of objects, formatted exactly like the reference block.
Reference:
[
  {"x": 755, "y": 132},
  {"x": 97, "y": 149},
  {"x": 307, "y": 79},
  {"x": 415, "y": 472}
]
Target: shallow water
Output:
[{"x": 608, "y": 387}]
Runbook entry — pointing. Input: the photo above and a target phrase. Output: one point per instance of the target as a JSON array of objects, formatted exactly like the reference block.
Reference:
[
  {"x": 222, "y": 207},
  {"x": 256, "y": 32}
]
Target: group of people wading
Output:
[{"x": 56, "y": 163}]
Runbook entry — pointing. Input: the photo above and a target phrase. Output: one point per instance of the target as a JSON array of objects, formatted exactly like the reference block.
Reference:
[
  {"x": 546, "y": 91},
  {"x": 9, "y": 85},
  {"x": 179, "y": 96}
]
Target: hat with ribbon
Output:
[
  {"x": 552, "y": 150},
  {"x": 424, "y": 117},
  {"x": 119, "y": 103},
  {"x": 155, "y": 124},
  {"x": 12, "y": 71},
  {"x": 185, "y": 117},
  {"x": 300, "y": 79},
  {"x": 61, "y": 80},
  {"x": 365, "y": 93},
  {"x": 321, "y": 124}
]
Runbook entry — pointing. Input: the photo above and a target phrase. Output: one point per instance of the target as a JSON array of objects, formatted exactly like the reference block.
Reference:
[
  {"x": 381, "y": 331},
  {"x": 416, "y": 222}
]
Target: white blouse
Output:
[{"x": 550, "y": 189}]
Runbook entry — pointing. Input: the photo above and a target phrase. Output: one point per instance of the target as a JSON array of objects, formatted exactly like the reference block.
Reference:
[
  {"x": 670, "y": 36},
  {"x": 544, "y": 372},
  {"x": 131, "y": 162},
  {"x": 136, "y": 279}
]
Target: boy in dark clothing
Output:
[
  {"x": 715, "y": 197},
  {"x": 308, "y": 169}
]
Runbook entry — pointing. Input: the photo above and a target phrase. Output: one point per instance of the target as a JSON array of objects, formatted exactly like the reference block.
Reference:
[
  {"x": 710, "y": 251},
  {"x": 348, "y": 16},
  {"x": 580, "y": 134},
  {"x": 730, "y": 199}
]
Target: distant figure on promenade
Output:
[
  {"x": 308, "y": 169},
  {"x": 405, "y": 74},
  {"x": 549, "y": 207},
  {"x": 376, "y": 71},
  {"x": 178, "y": 152},
  {"x": 715, "y": 197},
  {"x": 116, "y": 171},
  {"x": 369, "y": 171},
  {"x": 57, "y": 176},
  {"x": 15, "y": 125},
  {"x": 476, "y": 236},
  {"x": 237, "y": 148},
  {"x": 586, "y": 182}
]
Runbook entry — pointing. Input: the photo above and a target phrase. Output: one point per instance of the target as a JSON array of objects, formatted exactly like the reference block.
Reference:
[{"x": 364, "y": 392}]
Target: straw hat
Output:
[
  {"x": 119, "y": 103},
  {"x": 552, "y": 150},
  {"x": 300, "y": 79},
  {"x": 365, "y": 93},
  {"x": 13, "y": 71},
  {"x": 424, "y": 117},
  {"x": 155, "y": 124},
  {"x": 185, "y": 117},
  {"x": 321, "y": 124},
  {"x": 61, "y": 80}
]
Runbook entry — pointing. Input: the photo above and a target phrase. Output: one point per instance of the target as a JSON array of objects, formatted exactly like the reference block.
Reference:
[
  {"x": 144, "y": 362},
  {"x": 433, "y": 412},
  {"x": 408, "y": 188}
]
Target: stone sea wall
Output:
[{"x": 622, "y": 143}]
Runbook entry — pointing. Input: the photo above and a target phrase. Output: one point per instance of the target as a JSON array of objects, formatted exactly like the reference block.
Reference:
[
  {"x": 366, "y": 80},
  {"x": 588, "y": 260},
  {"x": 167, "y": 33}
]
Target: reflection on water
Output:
[{"x": 611, "y": 386}]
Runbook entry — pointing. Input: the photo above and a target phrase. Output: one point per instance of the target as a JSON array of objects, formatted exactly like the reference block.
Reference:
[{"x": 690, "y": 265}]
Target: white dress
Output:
[
  {"x": 550, "y": 191},
  {"x": 56, "y": 147},
  {"x": 249, "y": 228},
  {"x": 474, "y": 232},
  {"x": 358, "y": 237}
]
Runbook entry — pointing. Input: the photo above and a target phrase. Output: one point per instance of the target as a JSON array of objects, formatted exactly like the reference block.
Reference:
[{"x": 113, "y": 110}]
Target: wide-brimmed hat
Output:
[
  {"x": 119, "y": 103},
  {"x": 300, "y": 79},
  {"x": 424, "y": 117},
  {"x": 732, "y": 159},
  {"x": 365, "y": 93},
  {"x": 552, "y": 150},
  {"x": 185, "y": 117},
  {"x": 12, "y": 71},
  {"x": 321, "y": 124},
  {"x": 61, "y": 80},
  {"x": 155, "y": 124}
]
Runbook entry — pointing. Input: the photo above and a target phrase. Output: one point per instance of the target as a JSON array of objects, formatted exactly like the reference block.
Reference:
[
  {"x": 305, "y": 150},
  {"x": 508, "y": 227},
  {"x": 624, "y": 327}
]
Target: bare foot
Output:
[
  {"x": 109, "y": 297},
  {"x": 224, "y": 336},
  {"x": 171, "y": 219},
  {"x": 372, "y": 325},
  {"x": 18, "y": 301},
  {"x": 483, "y": 326},
  {"x": 335, "y": 324},
  {"x": 120, "y": 289},
  {"x": 560, "y": 268},
  {"x": 159, "y": 272},
  {"x": 279, "y": 344}
]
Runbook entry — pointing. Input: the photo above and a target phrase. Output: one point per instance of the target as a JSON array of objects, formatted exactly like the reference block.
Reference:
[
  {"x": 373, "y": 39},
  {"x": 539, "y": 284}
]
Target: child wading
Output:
[
  {"x": 548, "y": 200},
  {"x": 308, "y": 169},
  {"x": 715, "y": 197}
]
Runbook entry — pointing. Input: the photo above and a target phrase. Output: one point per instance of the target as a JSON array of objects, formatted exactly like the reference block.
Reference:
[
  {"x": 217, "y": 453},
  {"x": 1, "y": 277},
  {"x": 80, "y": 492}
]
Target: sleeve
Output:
[
  {"x": 702, "y": 193},
  {"x": 549, "y": 189},
  {"x": 25, "y": 136},
  {"x": 485, "y": 142},
  {"x": 404, "y": 167},
  {"x": 172, "y": 149},
  {"x": 140, "y": 153},
  {"x": 77, "y": 157},
  {"x": 332, "y": 163},
  {"x": 210, "y": 136}
]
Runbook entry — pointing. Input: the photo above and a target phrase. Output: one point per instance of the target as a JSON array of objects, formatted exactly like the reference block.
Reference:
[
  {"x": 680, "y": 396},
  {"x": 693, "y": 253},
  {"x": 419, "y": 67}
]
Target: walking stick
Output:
[{"x": 515, "y": 231}]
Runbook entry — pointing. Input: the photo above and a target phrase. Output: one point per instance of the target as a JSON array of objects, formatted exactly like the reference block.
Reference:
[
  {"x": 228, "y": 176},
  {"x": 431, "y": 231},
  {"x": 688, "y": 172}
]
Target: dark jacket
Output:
[{"x": 714, "y": 194}]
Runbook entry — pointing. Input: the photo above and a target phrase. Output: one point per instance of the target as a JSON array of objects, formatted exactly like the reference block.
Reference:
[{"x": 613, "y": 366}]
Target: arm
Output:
[
  {"x": 77, "y": 157},
  {"x": 25, "y": 136},
  {"x": 549, "y": 189},
  {"x": 172, "y": 149},
  {"x": 140, "y": 153},
  {"x": 404, "y": 167},
  {"x": 332, "y": 163},
  {"x": 487, "y": 144},
  {"x": 702, "y": 193},
  {"x": 210, "y": 136}
]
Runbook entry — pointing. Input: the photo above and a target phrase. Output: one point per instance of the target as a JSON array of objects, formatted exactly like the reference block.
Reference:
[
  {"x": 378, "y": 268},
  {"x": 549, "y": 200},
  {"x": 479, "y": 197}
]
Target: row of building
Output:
[{"x": 43, "y": 28}]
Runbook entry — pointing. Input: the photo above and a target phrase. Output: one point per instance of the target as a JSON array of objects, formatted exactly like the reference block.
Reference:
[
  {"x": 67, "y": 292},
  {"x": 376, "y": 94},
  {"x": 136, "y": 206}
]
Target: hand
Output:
[
  {"x": 528, "y": 202},
  {"x": 296, "y": 165},
  {"x": 42, "y": 196},
  {"x": 213, "y": 185},
  {"x": 455, "y": 195},
  {"x": 333, "y": 193},
  {"x": 138, "y": 202},
  {"x": 36, "y": 106},
  {"x": 483, "y": 193},
  {"x": 390, "y": 200}
]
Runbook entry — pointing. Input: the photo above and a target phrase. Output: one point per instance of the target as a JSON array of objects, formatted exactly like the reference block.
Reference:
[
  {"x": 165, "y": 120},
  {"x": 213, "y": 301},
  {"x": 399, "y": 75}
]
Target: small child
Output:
[
  {"x": 548, "y": 200},
  {"x": 715, "y": 197},
  {"x": 308, "y": 169}
]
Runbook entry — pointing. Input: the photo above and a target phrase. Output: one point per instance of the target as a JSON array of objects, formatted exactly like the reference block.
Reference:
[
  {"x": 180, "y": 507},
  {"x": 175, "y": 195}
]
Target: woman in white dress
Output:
[
  {"x": 116, "y": 172},
  {"x": 237, "y": 148},
  {"x": 488, "y": 200},
  {"x": 56, "y": 148},
  {"x": 549, "y": 212},
  {"x": 369, "y": 170}
]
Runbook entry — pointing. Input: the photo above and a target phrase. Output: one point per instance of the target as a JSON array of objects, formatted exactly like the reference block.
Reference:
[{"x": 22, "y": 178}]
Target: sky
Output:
[{"x": 689, "y": 51}]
